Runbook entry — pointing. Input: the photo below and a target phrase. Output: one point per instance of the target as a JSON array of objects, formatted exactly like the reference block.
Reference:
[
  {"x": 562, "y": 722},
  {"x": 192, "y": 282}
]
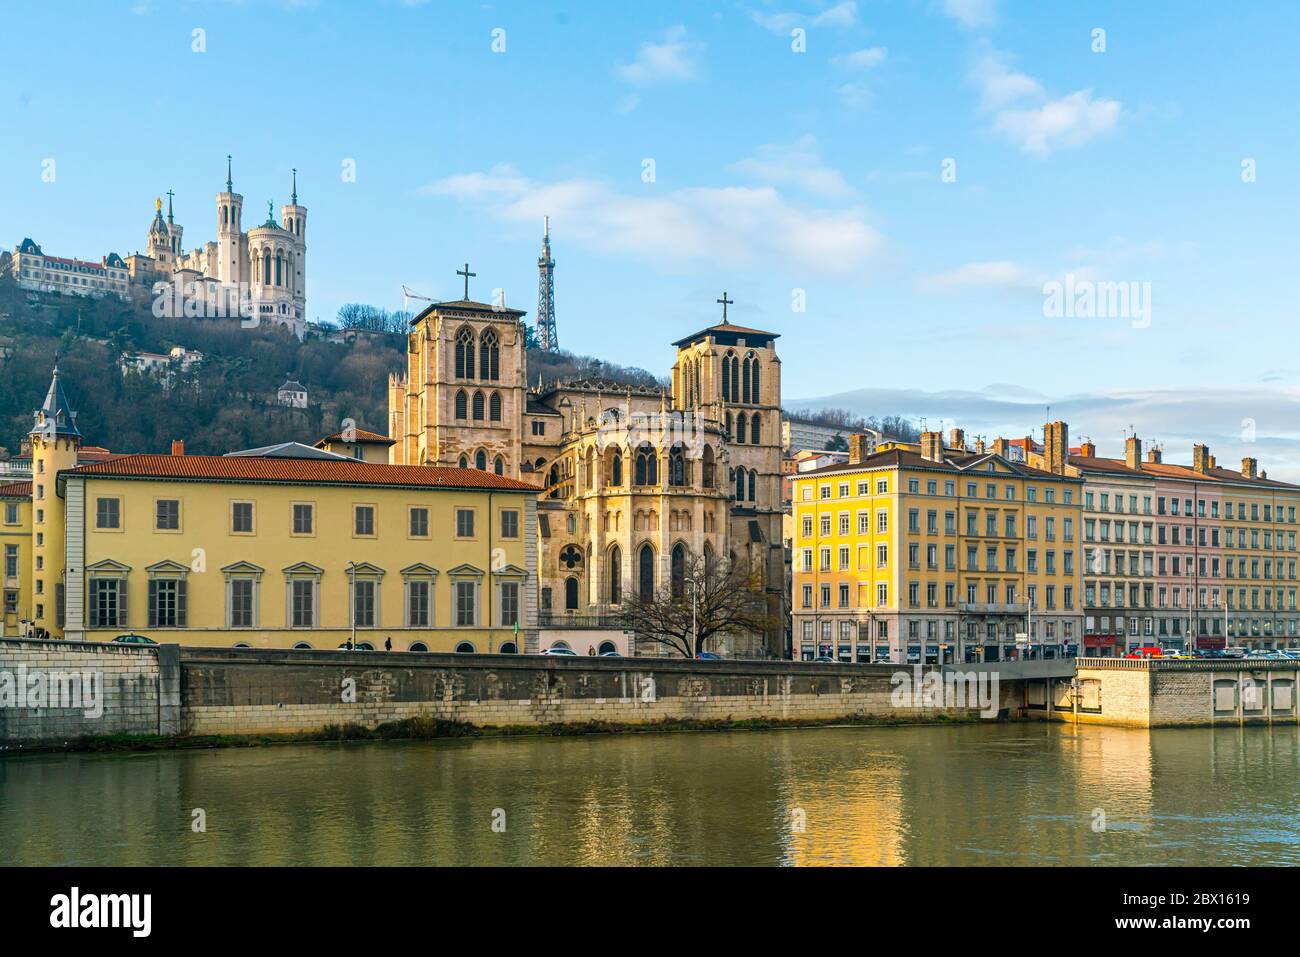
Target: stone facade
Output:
[{"x": 636, "y": 481}]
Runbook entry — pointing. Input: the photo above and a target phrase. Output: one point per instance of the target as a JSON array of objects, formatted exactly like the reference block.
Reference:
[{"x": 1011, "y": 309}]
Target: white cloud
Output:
[
  {"x": 1000, "y": 274},
  {"x": 971, "y": 13},
  {"x": 797, "y": 164},
  {"x": 715, "y": 225},
  {"x": 1068, "y": 121},
  {"x": 854, "y": 94},
  {"x": 778, "y": 23},
  {"x": 1023, "y": 112},
  {"x": 674, "y": 60},
  {"x": 841, "y": 15},
  {"x": 862, "y": 59}
]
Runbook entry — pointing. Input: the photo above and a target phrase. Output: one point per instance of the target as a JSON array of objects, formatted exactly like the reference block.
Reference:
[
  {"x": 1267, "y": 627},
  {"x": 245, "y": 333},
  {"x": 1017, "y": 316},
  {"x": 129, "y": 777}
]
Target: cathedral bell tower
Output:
[{"x": 293, "y": 220}]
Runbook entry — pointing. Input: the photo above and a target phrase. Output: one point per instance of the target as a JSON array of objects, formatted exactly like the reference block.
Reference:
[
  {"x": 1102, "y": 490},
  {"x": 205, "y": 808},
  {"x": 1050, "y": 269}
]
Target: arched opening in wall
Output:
[
  {"x": 740, "y": 484},
  {"x": 242, "y": 644},
  {"x": 302, "y": 646},
  {"x": 750, "y": 478},
  {"x": 418, "y": 646},
  {"x": 741, "y": 430},
  {"x": 755, "y": 430},
  {"x": 553, "y": 481},
  {"x": 726, "y": 379},
  {"x": 591, "y": 469},
  {"x": 616, "y": 469},
  {"x": 753, "y": 389},
  {"x": 646, "y": 573},
  {"x": 509, "y": 648},
  {"x": 499, "y": 465},
  {"x": 465, "y": 354},
  {"x": 561, "y": 644},
  {"x": 679, "y": 570},
  {"x": 462, "y": 405},
  {"x": 464, "y": 462},
  {"x": 607, "y": 648},
  {"x": 615, "y": 575},
  {"x": 647, "y": 467},
  {"x": 365, "y": 646},
  {"x": 677, "y": 467},
  {"x": 728, "y": 425},
  {"x": 489, "y": 357},
  {"x": 706, "y": 479},
  {"x": 494, "y": 407},
  {"x": 734, "y": 363},
  {"x": 480, "y": 460},
  {"x": 465, "y": 648},
  {"x": 571, "y": 594},
  {"x": 266, "y": 268},
  {"x": 478, "y": 406},
  {"x": 710, "y": 559},
  {"x": 539, "y": 465},
  {"x": 744, "y": 382}
]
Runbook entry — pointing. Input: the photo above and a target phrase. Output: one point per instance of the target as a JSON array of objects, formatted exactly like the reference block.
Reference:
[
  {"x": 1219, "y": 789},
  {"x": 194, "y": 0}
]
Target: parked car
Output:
[
  {"x": 134, "y": 639},
  {"x": 708, "y": 656},
  {"x": 567, "y": 652},
  {"x": 823, "y": 659},
  {"x": 609, "y": 654}
]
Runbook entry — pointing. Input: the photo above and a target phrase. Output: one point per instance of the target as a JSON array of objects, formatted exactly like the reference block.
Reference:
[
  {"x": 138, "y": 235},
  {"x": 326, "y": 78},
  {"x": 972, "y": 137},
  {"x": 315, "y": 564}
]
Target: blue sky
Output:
[{"x": 779, "y": 176}]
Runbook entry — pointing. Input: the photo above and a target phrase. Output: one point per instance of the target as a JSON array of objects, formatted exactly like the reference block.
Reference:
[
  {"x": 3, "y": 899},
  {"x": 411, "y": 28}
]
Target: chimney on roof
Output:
[
  {"x": 1133, "y": 452},
  {"x": 1263, "y": 474},
  {"x": 1153, "y": 455},
  {"x": 1249, "y": 467},
  {"x": 1201, "y": 458},
  {"x": 1214, "y": 463},
  {"x": 178, "y": 446},
  {"x": 1002, "y": 447},
  {"x": 859, "y": 447},
  {"x": 1056, "y": 446},
  {"x": 957, "y": 439},
  {"x": 980, "y": 446},
  {"x": 1087, "y": 449},
  {"x": 932, "y": 446}
]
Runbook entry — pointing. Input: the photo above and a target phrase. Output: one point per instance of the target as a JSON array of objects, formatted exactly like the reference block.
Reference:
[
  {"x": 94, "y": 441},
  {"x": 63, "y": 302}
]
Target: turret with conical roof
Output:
[{"x": 55, "y": 442}]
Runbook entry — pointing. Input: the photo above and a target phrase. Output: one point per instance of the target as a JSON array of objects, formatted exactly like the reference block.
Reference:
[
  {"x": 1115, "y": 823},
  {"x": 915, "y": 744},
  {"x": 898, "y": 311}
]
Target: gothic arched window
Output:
[
  {"x": 647, "y": 467},
  {"x": 464, "y": 462},
  {"x": 266, "y": 269},
  {"x": 740, "y": 428},
  {"x": 677, "y": 467},
  {"x": 679, "y": 570},
  {"x": 726, "y": 377},
  {"x": 753, "y": 389},
  {"x": 756, "y": 434},
  {"x": 615, "y": 575},
  {"x": 499, "y": 466},
  {"x": 480, "y": 460},
  {"x": 735, "y": 379},
  {"x": 571, "y": 594},
  {"x": 494, "y": 407},
  {"x": 740, "y": 485},
  {"x": 751, "y": 496},
  {"x": 616, "y": 469},
  {"x": 478, "y": 406},
  {"x": 465, "y": 354},
  {"x": 462, "y": 405},
  {"x": 744, "y": 380},
  {"x": 489, "y": 365},
  {"x": 646, "y": 573},
  {"x": 707, "y": 478}
]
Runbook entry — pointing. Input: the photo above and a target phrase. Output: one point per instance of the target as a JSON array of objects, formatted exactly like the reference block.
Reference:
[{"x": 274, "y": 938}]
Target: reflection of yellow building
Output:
[
  {"x": 915, "y": 549},
  {"x": 284, "y": 547}
]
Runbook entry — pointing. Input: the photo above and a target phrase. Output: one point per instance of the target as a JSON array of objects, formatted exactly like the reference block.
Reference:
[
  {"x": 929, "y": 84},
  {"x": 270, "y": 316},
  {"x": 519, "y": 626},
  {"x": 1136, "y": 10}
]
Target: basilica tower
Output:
[{"x": 230, "y": 249}]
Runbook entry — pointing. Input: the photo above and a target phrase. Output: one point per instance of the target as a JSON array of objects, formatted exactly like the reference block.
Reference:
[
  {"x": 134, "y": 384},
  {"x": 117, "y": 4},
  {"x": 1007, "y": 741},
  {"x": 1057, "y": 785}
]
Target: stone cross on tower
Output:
[
  {"x": 725, "y": 303},
  {"x": 466, "y": 273}
]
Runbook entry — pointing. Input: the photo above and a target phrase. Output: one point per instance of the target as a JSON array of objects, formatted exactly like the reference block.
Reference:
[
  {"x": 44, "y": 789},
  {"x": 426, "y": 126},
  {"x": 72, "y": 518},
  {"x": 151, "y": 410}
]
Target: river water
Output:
[{"x": 968, "y": 794}]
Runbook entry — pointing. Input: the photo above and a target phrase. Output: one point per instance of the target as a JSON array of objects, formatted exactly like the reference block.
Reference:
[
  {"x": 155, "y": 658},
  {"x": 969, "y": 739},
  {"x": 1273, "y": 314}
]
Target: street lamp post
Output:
[{"x": 352, "y": 604}]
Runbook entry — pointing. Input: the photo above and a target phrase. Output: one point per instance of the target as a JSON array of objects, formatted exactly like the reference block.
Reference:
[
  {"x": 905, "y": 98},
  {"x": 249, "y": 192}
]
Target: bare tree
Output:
[{"x": 707, "y": 598}]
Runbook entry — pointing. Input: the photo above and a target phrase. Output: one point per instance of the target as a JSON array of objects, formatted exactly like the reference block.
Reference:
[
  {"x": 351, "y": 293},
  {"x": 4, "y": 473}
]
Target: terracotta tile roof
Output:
[
  {"x": 359, "y": 437},
  {"x": 955, "y": 462},
  {"x": 1170, "y": 470},
  {"x": 726, "y": 327},
  {"x": 294, "y": 471},
  {"x": 16, "y": 490}
]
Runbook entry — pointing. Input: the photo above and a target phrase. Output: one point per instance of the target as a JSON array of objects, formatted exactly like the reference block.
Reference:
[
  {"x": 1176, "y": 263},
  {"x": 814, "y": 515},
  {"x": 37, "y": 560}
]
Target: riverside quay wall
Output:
[
  {"x": 1177, "y": 693},
  {"x": 200, "y": 691}
]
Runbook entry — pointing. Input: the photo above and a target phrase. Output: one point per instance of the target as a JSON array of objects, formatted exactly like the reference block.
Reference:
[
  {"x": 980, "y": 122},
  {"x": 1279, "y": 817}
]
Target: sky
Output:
[{"x": 920, "y": 196}]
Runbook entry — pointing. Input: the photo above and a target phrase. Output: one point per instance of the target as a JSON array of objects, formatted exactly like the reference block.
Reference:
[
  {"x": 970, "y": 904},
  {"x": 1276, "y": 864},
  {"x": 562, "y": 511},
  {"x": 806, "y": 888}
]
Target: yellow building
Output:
[
  {"x": 277, "y": 550},
  {"x": 16, "y": 538},
  {"x": 925, "y": 552}
]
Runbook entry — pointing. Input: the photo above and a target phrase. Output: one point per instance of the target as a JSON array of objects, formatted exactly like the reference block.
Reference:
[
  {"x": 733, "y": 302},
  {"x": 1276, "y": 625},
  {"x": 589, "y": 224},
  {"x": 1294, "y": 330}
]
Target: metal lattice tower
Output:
[{"x": 546, "y": 332}]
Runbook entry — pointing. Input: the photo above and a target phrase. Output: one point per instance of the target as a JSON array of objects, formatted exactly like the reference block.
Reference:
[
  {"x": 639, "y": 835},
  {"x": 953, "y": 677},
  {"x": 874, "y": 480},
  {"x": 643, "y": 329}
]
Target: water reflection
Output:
[{"x": 978, "y": 794}]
